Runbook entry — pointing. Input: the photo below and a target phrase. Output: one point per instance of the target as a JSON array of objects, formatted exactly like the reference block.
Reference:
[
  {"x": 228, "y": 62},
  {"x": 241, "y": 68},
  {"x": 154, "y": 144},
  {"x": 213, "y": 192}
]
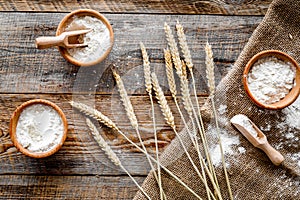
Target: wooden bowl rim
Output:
[
  {"x": 14, "y": 120},
  {"x": 291, "y": 96},
  {"x": 85, "y": 12}
]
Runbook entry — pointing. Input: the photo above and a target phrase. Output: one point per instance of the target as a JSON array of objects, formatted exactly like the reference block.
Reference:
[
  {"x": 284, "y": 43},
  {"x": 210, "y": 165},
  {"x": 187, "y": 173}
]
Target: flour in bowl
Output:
[
  {"x": 39, "y": 128},
  {"x": 98, "y": 39},
  {"x": 271, "y": 79}
]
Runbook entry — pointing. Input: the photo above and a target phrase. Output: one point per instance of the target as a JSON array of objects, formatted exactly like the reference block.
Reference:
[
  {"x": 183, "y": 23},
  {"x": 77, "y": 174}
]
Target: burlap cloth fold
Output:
[{"x": 251, "y": 173}]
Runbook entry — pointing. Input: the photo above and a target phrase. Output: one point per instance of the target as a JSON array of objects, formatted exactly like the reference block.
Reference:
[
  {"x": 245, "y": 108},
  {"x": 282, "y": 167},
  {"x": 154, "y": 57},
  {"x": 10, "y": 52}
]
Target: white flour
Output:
[
  {"x": 271, "y": 79},
  {"x": 98, "y": 40},
  {"x": 39, "y": 128},
  {"x": 244, "y": 121}
]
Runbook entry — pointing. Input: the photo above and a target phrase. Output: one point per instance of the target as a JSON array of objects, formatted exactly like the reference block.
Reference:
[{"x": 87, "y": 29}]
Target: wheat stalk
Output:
[
  {"x": 110, "y": 153},
  {"x": 187, "y": 100},
  {"x": 170, "y": 121},
  {"x": 170, "y": 73},
  {"x": 95, "y": 114},
  {"x": 188, "y": 59},
  {"x": 210, "y": 75},
  {"x": 126, "y": 101},
  {"x": 91, "y": 112},
  {"x": 147, "y": 70},
  {"x": 148, "y": 85},
  {"x": 163, "y": 102},
  {"x": 184, "y": 46},
  {"x": 211, "y": 85}
]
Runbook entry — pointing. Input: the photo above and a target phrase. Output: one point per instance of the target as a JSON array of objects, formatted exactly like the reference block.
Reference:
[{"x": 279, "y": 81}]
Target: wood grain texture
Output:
[
  {"x": 67, "y": 187},
  {"x": 224, "y": 7},
  {"x": 80, "y": 154},
  {"x": 25, "y": 69}
]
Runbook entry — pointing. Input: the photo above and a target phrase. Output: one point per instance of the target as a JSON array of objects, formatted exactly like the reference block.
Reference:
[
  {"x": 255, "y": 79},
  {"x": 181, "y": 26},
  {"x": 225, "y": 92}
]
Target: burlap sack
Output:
[{"x": 251, "y": 173}]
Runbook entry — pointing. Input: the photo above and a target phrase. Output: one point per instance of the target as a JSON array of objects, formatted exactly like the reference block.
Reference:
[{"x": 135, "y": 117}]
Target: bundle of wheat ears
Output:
[{"x": 206, "y": 172}]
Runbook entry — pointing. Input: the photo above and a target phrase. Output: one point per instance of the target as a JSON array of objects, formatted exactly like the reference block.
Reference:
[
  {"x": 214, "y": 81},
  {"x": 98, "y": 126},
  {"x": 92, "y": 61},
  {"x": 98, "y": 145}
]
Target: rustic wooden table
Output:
[{"x": 80, "y": 170}]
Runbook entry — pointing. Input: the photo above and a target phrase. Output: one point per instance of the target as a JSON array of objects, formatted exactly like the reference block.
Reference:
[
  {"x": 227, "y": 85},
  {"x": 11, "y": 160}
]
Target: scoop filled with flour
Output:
[{"x": 97, "y": 40}]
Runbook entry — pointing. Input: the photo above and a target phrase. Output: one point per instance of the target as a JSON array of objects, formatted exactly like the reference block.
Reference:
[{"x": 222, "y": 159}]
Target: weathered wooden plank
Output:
[
  {"x": 241, "y": 7},
  {"x": 80, "y": 154},
  {"x": 67, "y": 187},
  {"x": 24, "y": 69}
]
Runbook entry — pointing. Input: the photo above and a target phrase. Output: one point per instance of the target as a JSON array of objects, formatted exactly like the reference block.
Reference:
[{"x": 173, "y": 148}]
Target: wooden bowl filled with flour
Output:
[
  {"x": 99, "y": 40},
  {"x": 38, "y": 128},
  {"x": 272, "y": 79}
]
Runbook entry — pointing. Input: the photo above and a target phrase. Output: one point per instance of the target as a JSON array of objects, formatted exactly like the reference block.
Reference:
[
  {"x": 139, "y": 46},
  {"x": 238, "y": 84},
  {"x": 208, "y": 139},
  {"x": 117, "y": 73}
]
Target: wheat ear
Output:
[
  {"x": 170, "y": 73},
  {"x": 178, "y": 66},
  {"x": 211, "y": 85},
  {"x": 130, "y": 113},
  {"x": 91, "y": 112},
  {"x": 110, "y": 153},
  {"x": 126, "y": 101},
  {"x": 148, "y": 85},
  {"x": 184, "y": 46},
  {"x": 95, "y": 114}
]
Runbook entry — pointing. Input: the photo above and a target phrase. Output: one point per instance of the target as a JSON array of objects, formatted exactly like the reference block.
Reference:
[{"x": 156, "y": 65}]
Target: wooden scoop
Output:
[
  {"x": 256, "y": 137},
  {"x": 63, "y": 40}
]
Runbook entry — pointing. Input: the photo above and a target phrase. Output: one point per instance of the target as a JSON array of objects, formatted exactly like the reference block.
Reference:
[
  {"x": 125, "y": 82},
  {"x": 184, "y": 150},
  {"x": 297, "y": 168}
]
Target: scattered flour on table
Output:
[
  {"x": 222, "y": 109},
  {"x": 270, "y": 79},
  {"x": 228, "y": 142},
  {"x": 292, "y": 115},
  {"x": 39, "y": 128},
  {"x": 98, "y": 40}
]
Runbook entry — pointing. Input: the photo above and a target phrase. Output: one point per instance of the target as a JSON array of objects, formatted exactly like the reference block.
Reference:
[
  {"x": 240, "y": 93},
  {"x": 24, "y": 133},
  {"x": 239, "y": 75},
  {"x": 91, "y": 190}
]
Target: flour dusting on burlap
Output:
[{"x": 251, "y": 173}]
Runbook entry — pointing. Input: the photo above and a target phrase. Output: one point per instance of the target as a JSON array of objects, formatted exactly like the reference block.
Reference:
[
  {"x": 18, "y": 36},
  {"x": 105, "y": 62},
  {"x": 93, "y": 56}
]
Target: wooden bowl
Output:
[
  {"x": 13, "y": 126},
  {"x": 290, "y": 97},
  {"x": 79, "y": 13}
]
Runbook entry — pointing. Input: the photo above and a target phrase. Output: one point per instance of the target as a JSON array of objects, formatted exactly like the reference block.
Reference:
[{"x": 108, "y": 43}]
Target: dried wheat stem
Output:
[
  {"x": 173, "y": 48},
  {"x": 95, "y": 114},
  {"x": 184, "y": 46},
  {"x": 91, "y": 112},
  {"x": 170, "y": 121},
  {"x": 148, "y": 85},
  {"x": 131, "y": 115},
  {"x": 163, "y": 102},
  {"x": 172, "y": 86},
  {"x": 170, "y": 73},
  {"x": 110, "y": 153},
  {"x": 126, "y": 101},
  {"x": 210, "y": 68},
  {"x": 189, "y": 63},
  {"x": 147, "y": 71},
  {"x": 211, "y": 84}
]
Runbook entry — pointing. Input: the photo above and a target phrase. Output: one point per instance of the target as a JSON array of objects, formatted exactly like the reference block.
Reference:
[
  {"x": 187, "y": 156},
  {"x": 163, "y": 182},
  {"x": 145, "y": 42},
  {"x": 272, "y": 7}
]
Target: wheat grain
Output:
[
  {"x": 147, "y": 71},
  {"x": 110, "y": 153},
  {"x": 89, "y": 111},
  {"x": 102, "y": 143},
  {"x": 183, "y": 66},
  {"x": 162, "y": 101},
  {"x": 173, "y": 49},
  {"x": 170, "y": 73},
  {"x": 184, "y": 46},
  {"x": 126, "y": 101},
  {"x": 210, "y": 68}
]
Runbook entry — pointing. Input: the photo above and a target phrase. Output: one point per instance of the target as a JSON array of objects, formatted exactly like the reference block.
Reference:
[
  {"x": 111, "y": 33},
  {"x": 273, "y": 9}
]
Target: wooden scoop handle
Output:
[
  {"x": 47, "y": 42},
  {"x": 273, "y": 154}
]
